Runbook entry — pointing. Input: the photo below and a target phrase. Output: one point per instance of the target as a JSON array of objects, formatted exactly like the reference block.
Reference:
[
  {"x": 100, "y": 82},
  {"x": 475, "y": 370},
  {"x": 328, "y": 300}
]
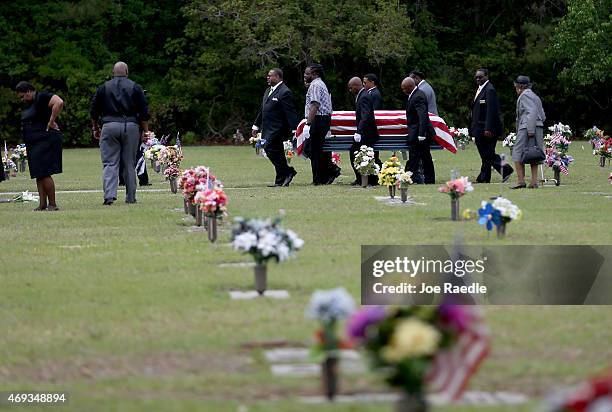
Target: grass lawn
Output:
[{"x": 125, "y": 309}]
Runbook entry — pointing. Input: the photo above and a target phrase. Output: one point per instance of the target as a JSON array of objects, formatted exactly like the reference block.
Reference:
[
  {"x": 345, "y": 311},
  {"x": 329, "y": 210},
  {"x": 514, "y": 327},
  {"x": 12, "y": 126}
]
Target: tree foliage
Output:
[{"x": 203, "y": 62}]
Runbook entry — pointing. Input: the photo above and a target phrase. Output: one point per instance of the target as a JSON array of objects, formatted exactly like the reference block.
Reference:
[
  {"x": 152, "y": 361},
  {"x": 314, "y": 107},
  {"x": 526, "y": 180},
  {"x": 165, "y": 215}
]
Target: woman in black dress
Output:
[{"x": 43, "y": 140}]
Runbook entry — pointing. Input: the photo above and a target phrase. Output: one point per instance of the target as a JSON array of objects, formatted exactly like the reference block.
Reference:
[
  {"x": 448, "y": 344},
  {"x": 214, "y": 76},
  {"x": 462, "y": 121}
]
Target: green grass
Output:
[{"x": 125, "y": 309}]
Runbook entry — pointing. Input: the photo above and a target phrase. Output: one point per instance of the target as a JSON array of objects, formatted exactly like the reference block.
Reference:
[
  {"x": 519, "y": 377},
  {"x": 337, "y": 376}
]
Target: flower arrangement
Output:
[
  {"x": 404, "y": 179},
  {"x": 509, "y": 141},
  {"x": 499, "y": 212},
  {"x": 170, "y": 155},
  {"x": 153, "y": 152},
  {"x": 561, "y": 129},
  {"x": 328, "y": 307},
  {"x": 461, "y": 136},
  {"x": 213, "y": 201},
  {"x": 610, "y": 178},
  {"x": 603, "y": 147},
  {"x": 336, "y": 158},
  {"x": 595, "y": 395},
  {"x": 19, "y": 153},
  {"x": 26, "y": 197},
  {"x": 457, "y": 187},
  {"x": 265, "y": 239},
  {"x": 388, "y": 175},
  {"x": 364, "y": 161},
  {"x": 172, "y": 172},
  {"x": 289, "y": 153},
  {"x": 557, "y": 146},
  {"x": 192, "y": 178},
  {"x": 254, "y": 140},
  {"x": 404, "y": 341}
]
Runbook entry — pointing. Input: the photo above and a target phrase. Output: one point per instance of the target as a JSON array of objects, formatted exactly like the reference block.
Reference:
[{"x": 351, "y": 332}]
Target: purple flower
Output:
[
  {"x": 360, "y": 321},
  {"x": 456, "y": 316}
]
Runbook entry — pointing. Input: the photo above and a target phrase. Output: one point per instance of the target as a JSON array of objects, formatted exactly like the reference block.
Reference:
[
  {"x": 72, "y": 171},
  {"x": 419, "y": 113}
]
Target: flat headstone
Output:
[
  {"x": 297, "y": 370},
  {"x": 252, "y": 294},
  {"x": 288, "y": 355},
  {"x": 397, "y": 201},
  {"x": 237, "y": 265},
  {"x": 468, "y": 398},
  {"x": 196, "y": 229}
]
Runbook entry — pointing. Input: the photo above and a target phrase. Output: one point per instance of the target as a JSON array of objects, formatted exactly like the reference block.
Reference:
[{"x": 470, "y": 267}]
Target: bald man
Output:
[
  {"x": 119, "y": 116},
  {"x": 420, "y": 131}
]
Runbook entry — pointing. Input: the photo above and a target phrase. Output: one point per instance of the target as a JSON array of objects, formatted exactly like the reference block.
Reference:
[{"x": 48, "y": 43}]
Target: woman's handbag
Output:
[{"x": 533, "y": 154}]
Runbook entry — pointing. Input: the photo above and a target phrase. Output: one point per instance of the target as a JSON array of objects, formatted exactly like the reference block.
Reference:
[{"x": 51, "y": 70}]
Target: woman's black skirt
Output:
[{"x": 44, "y": 151}]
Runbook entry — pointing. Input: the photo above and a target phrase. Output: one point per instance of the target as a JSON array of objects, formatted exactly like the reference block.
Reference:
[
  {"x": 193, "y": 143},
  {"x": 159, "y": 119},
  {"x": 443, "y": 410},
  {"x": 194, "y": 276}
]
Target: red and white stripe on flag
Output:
[
  {"x": 388, "y": 122},
  {"x": 452, "y": 368}
]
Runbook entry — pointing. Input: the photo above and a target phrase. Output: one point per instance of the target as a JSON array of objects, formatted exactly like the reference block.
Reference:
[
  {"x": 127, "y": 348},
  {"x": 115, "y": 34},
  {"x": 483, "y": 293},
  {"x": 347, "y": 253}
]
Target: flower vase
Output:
[
  {"x": 364, "y": 180},
  {"x": 192, "y": 208},
  {"x": 212, "y": 228},
  {"x": 501, "y": 230},
  {"x": 329, "y": 376},
  {"x": 412, "y": 403},
  {"x": 157, "y": 167},
  {"x": 152, "y": 164},
  {"x": 257, "y": 151},
  {"x": 454, "y": 209},
  {"x": 186, "y": 205},
  {"x": 404, "y": 194},
  {"x": 7, "y": 174},
  {"x": 602, "y": 161},
  {"x": 173, "y": 185},
  {"x": 163, "y": 168},
  {"x": 22, "y": 165},
  {"x": 557, "y": 175},
  {"x": 198, "y": 216},
  {"x": 261, "y": 278},
  {"x": 392, "y": 191}
]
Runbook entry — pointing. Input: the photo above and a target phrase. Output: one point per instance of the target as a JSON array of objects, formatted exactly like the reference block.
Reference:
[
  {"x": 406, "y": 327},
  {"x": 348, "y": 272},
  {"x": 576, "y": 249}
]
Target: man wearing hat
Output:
[
  {"x": 530, "y": 119},
  {"x": 486, "y": 127}
]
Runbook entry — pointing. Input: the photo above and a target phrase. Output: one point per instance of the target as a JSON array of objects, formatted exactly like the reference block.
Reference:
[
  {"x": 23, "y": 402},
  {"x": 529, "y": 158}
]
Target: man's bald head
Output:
[
  {"x": 408, "y": 85},
  {"x": 120, "y": 69},
  {"x": 355, "y": 84}
]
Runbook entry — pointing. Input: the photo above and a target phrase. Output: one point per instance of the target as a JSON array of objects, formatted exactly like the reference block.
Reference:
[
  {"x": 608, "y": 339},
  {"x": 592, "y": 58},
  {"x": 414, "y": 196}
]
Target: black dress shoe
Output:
[
  {"x": 289, "y": 178},
  {"x": 356, "y": 183},
  {"x": 274, "y": 185},
  {"x": 108, "y": 202}
]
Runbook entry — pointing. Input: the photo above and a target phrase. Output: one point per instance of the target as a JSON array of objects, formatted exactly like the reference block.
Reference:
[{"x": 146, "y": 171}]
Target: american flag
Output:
[
  {"x": 452, "y": 368},
  {"x": 389, "y": 122}
]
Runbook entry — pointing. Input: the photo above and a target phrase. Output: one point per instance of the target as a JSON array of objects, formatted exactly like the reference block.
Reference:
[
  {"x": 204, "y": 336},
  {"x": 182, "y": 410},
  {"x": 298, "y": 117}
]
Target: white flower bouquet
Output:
[
  {"x": 264, "y": 239},
  {"x": 364, "y": 161}
]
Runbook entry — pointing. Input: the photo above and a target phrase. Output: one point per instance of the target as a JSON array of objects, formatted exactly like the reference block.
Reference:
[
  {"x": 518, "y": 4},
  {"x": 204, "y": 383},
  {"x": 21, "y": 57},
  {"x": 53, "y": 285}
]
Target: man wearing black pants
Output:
[
  {"x": 277, "y": 119},
  {"x": 420, "y": 131},
  {"x": 486, "y": 127},
  {"x": 318, "y": 112}
]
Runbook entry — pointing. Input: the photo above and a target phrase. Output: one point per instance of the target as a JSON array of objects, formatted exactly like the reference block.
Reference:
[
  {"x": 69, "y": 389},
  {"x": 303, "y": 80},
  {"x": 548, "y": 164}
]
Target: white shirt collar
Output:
[
  {"x": 420, "y": 82},
  {"x": 272, "y": 88},
  {"x": 412, "y": 92},
  {"x": 480, "y": 88}
]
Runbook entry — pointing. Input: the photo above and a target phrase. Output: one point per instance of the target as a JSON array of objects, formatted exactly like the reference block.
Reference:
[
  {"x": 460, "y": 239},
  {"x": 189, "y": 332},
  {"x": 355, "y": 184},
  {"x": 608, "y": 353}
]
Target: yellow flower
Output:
[{"x": 411, "y": 338}]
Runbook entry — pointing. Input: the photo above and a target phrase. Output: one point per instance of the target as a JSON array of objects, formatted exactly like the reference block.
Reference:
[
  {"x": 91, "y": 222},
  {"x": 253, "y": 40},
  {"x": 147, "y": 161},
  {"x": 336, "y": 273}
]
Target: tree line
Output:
[{"x": 203, "y": 62}]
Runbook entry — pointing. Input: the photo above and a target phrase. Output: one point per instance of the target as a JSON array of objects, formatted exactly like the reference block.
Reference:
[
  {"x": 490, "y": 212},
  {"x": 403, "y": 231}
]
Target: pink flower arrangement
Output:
[
  {"x": 172, "y": 172},
  {"x": 192, "y": 178},
  {"x": 457, "y": 188},
  {"x": 336, "y": 158},
  {"x": 212, "y": 202}
]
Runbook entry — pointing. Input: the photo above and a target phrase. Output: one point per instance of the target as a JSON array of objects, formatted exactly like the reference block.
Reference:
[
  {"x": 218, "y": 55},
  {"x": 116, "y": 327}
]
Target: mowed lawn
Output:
[{"x": 125, "y": 308}]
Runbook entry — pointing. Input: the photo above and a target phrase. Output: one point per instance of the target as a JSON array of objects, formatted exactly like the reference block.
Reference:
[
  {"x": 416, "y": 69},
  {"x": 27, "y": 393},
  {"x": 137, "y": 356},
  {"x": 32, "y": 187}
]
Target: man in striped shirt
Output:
[{"x": 318, "y": 112}]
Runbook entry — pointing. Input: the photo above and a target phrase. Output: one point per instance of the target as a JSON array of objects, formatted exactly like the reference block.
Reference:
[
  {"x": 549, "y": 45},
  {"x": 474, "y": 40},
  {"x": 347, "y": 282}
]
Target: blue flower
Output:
[{"x": 489, "y": 216}]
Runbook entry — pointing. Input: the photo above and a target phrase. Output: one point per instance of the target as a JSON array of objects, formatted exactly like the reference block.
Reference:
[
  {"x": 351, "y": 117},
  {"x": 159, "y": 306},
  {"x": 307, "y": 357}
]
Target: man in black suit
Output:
[
  {"x": 420, "y": 131},
  {"x": 368, "y": 99},
  {"x": 486, "y": 127},
  {"x": 277, "y": 119}
]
